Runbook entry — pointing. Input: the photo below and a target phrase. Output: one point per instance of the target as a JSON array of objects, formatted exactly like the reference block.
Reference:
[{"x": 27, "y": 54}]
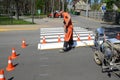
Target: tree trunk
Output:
[{"x": 17, "y": 10}]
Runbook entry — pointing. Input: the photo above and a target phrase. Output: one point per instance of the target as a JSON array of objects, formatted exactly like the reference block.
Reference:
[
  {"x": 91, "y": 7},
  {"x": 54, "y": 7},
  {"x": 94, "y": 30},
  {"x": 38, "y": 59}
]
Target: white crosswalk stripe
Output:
[{"x": 50, "y": 36}]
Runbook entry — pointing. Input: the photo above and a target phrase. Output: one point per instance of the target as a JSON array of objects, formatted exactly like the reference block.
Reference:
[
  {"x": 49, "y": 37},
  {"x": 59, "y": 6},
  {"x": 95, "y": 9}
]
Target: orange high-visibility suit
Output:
[{"x": 68, "y": 28}]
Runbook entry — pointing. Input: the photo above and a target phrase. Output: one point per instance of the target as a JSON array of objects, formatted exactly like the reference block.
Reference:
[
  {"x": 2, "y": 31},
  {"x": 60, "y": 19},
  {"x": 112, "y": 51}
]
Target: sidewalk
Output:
[
  {"x": 40, "y": 23},
  {"x": 78, "y": 21}
]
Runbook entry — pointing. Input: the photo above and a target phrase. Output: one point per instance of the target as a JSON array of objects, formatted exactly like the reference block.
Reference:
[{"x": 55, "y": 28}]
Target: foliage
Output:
[
  {"x": 117, "y": 3},
  {"x": 95, "y": 6},
  {"x": 40, "y": 4},
  {"x": 109, "y": 3},
  {"x": 26, "y": 6}
]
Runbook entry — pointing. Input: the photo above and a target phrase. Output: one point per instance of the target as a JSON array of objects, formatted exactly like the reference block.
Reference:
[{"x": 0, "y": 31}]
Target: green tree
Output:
[
  {"x": 40, "y": 4},
  {"x": 109, "y": 4},
  {"x": 96, "y": 5},
  {"x": 117, "y": 2}
]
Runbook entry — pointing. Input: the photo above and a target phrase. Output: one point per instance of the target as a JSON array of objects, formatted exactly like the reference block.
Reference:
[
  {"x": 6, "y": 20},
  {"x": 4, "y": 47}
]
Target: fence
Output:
[
  {"x": 93, "y": 14},
  {"x": 108, "y": 16}
]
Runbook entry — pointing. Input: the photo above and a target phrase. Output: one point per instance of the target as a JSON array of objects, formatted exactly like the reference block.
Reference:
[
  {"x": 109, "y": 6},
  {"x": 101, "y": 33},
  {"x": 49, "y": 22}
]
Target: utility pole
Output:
[
  {"x": 10, "y": 11},
  {"x": 32, "y": 10},
  {"x": 17, "y": 10},
  {"x": 87, "y": 8},
  {"x": 62, "y": 5},
  {"x": 52, "y": 8},
  {"x": 59, "y": 5}
]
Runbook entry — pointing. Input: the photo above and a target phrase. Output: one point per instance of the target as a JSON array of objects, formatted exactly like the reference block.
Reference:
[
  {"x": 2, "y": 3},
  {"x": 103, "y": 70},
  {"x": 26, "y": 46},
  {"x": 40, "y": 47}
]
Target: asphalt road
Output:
[{"x": 33, "y": 64}]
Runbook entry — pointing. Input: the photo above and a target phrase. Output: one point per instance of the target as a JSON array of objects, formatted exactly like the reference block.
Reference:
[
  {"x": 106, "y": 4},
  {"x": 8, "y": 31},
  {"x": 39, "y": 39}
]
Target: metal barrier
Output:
[
  {"x": 108, "y": 16},
  {"x": 93, "y": 14}
]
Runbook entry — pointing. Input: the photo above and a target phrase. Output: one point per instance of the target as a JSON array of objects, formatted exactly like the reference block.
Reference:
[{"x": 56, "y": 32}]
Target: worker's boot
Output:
[
  {"x": 71, "y": 42},
  {"x": 65, "y": 47},
  {"x": 63, "y": 50}
]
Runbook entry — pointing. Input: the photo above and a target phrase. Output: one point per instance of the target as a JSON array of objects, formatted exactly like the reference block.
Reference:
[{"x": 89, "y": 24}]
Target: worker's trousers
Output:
[{"x": 68, "y": 44}]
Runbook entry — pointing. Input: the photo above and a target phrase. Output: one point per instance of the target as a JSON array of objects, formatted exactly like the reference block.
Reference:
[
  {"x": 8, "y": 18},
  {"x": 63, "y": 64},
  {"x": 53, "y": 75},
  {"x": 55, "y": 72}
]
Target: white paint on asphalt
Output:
[{"x": 49, "y": 38}]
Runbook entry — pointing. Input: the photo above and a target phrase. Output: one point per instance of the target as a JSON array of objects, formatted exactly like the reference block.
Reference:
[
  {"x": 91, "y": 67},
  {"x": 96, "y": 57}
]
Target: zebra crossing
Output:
[{"x": 53, "y": 38}]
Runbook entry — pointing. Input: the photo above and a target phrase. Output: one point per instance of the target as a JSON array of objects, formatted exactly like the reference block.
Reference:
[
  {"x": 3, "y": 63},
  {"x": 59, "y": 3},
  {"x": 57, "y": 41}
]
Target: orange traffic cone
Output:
[
  {"x": 2, "y": 77},
  {"x": 78, "y": 37},
  {"x": 10, "y": 66},
  {"x": 89, "y": 37},
  {"x": 59, "y": 39},
  {"x": 13, "y": 56},
  {"x": 118, "y": 36},
  {"x": 23, "y": 44},
  {"x": 43, "y": 41}
]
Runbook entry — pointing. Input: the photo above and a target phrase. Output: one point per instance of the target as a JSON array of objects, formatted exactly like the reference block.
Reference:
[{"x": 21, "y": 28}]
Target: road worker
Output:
[{"x": 68, "y": 30}]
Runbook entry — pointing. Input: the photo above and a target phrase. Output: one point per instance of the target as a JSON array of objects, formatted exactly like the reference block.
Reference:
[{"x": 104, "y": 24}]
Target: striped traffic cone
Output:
[
  {"x": 78, "y": 37},
  {"x": 23, "y": 44},
  {"x": 2, "y": 77},
  {"x": 13, "y": 56},
  {"x": 43, "y": 40},
  {"x": 118, "y": 36},
  {"x": 89, "y": 37},
  {"x": 10, "y": 66},
  {"x": 59, "y": 39}
]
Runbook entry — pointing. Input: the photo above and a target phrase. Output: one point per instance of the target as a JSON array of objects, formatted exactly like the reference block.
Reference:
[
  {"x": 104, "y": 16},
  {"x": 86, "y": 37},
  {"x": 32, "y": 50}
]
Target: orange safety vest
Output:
[{"x": 69, "y": 27}]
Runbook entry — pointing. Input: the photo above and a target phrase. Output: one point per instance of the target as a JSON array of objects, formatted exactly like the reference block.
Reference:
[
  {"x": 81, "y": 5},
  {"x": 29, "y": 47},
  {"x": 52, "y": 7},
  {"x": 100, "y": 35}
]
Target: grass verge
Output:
[{"x": 4, "y": 20}]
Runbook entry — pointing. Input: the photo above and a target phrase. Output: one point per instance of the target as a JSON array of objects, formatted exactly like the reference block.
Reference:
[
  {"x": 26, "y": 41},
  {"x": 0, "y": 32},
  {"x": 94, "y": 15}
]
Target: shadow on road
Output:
[{"x": 11, "y": 78}]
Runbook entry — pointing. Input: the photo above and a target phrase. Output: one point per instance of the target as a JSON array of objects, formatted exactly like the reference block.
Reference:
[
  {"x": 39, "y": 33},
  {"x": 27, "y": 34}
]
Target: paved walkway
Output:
[
  {"x": 40, "y": 23},
  {"x": 78, "y": 21}
]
